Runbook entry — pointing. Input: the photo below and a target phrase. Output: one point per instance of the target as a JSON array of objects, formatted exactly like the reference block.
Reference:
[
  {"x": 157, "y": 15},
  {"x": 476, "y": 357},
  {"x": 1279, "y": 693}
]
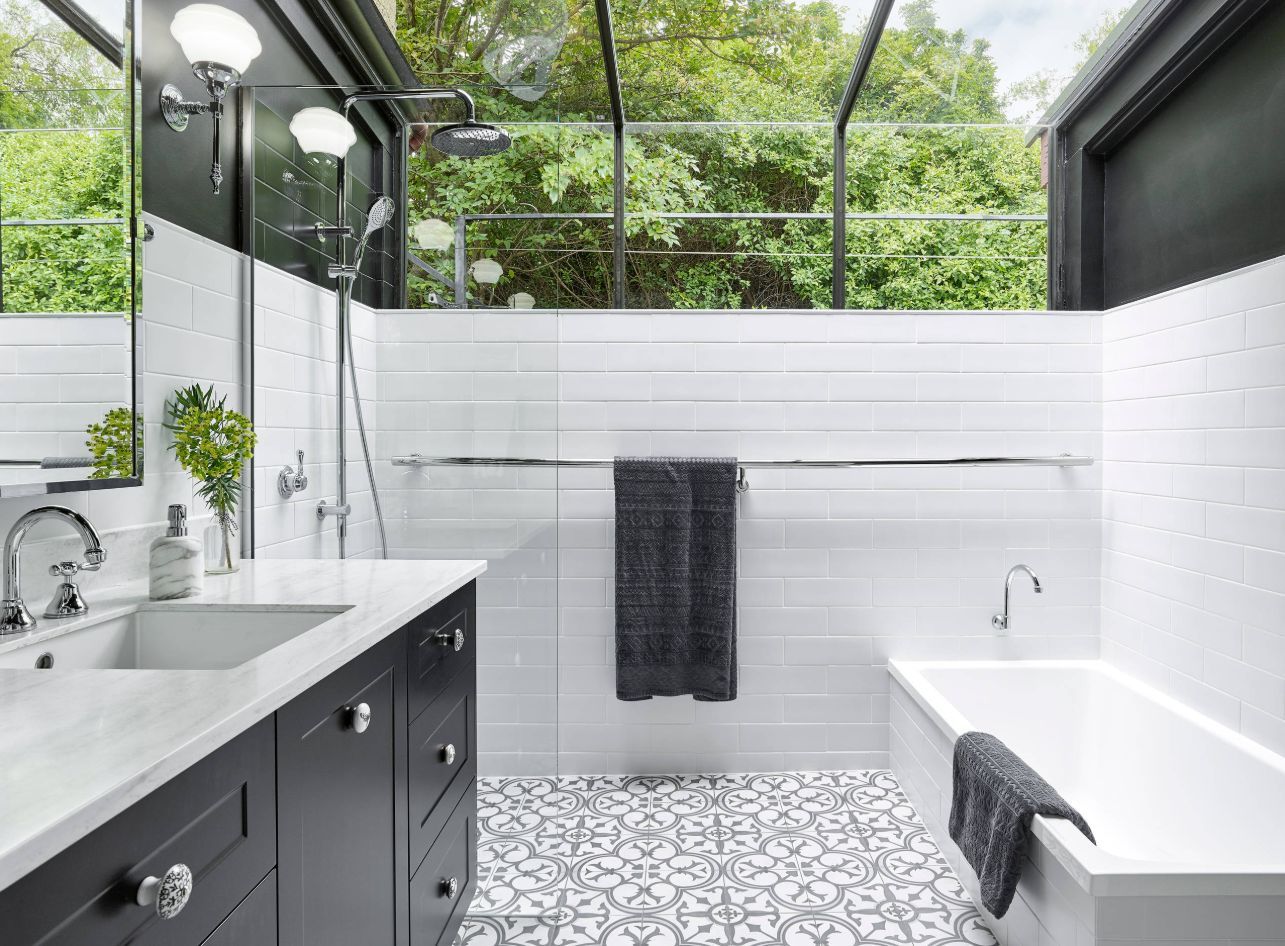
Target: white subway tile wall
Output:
[
  {"x": 58, "y": 374},
  {"x": 1193, "y": 559},
  {"x": 189, "y": 330},
  {"x": 294, "y": 401},
  {"x": 840, "y": 569}
]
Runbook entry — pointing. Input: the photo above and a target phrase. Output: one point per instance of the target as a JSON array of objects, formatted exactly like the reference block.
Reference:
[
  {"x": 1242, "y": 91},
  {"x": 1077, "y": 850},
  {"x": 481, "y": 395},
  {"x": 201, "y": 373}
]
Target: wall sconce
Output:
[
  {"x": 487, "y": 272},
  {"x": 220, "y": 44},
  {"x": 323, "y": 133}
]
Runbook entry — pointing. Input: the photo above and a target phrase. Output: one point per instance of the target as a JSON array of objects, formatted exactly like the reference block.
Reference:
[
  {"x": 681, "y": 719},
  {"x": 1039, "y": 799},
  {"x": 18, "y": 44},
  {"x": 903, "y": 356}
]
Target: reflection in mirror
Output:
[{"x": 67, "y": 275}]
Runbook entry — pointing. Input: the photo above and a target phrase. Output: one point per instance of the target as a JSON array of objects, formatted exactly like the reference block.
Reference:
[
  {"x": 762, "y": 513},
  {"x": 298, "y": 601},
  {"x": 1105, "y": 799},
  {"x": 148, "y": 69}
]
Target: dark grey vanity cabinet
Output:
[
  {"x": 218, "y": 818},
  {"x": 342, "y": 787},
  {"x": 342, "y": 820}
]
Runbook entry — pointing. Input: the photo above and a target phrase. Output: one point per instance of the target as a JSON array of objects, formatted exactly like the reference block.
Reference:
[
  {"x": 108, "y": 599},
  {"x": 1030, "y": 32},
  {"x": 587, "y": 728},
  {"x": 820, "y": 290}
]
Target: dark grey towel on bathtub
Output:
[
  {"x": 675, "y": 577},
  {"x": 995, "y": 796}
]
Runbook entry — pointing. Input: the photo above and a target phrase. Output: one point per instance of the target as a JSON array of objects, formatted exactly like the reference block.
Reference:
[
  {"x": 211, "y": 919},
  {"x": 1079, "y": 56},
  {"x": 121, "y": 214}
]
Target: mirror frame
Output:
[{"x": 134, "y": 239}]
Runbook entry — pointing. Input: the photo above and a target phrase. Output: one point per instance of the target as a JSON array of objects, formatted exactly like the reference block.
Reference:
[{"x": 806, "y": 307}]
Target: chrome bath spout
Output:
[{"x": 1000, "y": 621}]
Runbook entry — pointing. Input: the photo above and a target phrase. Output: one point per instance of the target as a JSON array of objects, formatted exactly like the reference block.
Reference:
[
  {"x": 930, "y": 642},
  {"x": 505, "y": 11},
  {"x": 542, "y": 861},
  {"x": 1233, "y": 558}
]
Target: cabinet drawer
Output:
[
  {"x": 441, "y": 763},
  {"x": 218, "y": 818},
  {"x": 432, "y": 642},
  {"x": 254, "y": 922},
  {"x": 434, "y": 913}
]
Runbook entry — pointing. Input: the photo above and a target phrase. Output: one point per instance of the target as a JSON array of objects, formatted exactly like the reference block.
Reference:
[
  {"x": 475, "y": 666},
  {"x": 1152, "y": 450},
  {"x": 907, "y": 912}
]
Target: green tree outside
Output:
[
  {"x": 750, "y": 62},
  {"x": 62, "y": 157}
]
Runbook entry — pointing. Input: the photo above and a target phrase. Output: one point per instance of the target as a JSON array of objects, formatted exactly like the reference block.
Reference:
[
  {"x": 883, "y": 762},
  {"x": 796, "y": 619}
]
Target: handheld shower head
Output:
[
  {"x": 471, "y": 139},
  {"x": 381, "y": 212},
  {"x": 379, "y": 216}
]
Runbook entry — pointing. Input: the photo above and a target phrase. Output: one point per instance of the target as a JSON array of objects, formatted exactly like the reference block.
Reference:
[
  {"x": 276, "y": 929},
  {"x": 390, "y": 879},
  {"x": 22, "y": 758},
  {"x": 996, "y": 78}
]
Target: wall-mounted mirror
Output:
[{"x": 69, "y": 266}]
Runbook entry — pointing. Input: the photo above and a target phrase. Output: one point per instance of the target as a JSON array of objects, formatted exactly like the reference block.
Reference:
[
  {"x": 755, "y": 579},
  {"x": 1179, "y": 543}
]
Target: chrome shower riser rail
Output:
[{"x": 416, "y": 459}]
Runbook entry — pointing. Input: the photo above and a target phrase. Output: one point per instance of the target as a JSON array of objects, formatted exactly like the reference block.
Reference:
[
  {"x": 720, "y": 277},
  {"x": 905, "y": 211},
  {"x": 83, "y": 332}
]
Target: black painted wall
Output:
[
  {"x": 293, "y": 192},
  {"x": 297, "y": 51},
  {"x": 1169, "y": 169},
  {"x": 1199, "y": 189}
]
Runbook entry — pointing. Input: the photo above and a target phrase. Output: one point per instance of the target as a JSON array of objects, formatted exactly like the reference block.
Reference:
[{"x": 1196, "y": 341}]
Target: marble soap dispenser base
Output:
[{"x": 176, "y": 561}]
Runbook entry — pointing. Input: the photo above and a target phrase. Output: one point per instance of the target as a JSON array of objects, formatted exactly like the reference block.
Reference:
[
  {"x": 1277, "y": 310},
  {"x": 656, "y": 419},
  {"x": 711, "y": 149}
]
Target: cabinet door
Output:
[
  {"x": 341, "y": 806},
  {"x": 217, "y": 818}
]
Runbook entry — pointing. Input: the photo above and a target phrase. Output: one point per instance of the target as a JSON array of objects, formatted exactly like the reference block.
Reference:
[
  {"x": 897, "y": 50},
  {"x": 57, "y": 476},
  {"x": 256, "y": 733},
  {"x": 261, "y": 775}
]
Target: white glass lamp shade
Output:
[
  {"x": 211, "y": 33},
  {"x": 521, "y": 300},
  {"x": 322, "y": 131},
  {"x": 486, "y": 271},
  {"x": 434, "y": 234}
]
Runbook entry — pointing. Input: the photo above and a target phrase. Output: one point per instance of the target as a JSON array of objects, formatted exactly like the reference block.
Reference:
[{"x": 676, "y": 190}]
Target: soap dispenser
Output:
[{"x": 176, "y": 565}]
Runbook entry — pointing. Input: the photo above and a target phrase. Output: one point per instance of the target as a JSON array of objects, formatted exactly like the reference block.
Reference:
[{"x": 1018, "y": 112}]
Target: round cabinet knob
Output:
[
  {"x": 450, "y": 887},
  {"x": 453, "y": 639},
  {"x": 169, "y": 893},
  {"x": 359, "y": 717},
  {"x": 448, "y": 753}
]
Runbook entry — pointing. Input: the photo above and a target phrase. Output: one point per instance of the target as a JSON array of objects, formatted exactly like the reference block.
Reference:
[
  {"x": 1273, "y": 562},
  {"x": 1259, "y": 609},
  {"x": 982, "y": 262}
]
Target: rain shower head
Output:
[{"x": 471, "y": 139}]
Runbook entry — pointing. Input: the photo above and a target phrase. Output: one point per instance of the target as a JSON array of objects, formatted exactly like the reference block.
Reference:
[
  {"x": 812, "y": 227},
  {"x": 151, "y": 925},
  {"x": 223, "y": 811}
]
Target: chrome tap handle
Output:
[{"x": 69, "y": 570}]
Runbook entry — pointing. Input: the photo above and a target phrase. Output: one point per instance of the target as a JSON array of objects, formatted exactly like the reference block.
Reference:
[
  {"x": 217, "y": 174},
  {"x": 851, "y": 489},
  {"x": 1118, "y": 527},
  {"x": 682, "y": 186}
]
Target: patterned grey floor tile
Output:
[
  {"x": 645, "y": 874},
  {"x": 518, "y": 877},
  {"x": 778, "y": 859},
  {"x": 503, "y": 931}
]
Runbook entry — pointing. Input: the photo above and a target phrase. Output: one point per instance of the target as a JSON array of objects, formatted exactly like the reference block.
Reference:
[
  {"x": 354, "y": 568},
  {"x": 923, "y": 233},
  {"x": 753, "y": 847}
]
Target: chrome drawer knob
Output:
[
  {"x": 450, "y": 888},
  {"x": 169, "y": 893},
  {"x": 448, "y": 753},
  {"x": 359, "y": 717},
  {"x": 453, "y": 639}
]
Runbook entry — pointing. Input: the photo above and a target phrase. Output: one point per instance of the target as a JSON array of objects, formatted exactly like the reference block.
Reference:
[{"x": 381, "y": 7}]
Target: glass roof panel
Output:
[
  {"x": 531, "y": 60},
  {"x": 736, "y": 60},
  {"x": 980, "y": 61}
]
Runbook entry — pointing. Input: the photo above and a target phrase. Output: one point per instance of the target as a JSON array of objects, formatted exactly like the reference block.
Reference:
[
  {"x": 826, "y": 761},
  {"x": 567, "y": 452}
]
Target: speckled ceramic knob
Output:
[{"x": 169, "y": 892}]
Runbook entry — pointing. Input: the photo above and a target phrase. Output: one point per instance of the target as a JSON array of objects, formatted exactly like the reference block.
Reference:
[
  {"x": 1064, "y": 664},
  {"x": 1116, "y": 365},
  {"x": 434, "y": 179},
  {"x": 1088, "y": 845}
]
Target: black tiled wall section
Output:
[{"x": 292, "y": 193}]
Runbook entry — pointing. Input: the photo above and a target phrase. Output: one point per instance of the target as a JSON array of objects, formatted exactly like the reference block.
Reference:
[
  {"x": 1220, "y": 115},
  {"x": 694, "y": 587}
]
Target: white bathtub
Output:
[{"x": 1189, "y": 815}]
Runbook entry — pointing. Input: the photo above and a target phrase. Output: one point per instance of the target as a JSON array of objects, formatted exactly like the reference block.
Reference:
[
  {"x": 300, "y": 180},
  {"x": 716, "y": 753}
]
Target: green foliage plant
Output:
[
  {"x": 212, "y": 443},
  {"x": 111, "y": 444}
]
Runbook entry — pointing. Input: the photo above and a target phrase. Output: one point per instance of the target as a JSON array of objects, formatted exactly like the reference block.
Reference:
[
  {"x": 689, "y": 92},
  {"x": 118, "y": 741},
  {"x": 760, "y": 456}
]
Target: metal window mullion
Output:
[
  {"x": 865, "y": 56},
  {"x": 607, "y": 39},
  {"x": 839, "y": 269},
  {"x": 461, "y": 261},
  {"x": 618, "y": 221}
]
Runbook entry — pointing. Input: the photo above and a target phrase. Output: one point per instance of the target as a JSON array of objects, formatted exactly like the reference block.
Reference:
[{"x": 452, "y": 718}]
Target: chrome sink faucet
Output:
[
  {"x": 15, "y": 618},
  {"x": 1000, "y": 621}
]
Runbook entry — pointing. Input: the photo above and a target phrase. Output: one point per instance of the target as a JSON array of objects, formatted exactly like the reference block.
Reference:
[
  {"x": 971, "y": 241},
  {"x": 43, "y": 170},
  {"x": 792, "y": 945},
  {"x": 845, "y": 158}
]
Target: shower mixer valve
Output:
[{"x": 291, "y": 481}]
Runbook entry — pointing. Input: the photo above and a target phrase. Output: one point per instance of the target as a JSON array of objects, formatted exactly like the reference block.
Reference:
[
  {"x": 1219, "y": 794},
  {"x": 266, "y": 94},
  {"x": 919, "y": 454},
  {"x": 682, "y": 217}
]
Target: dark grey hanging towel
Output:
[
  {"x": 994, "y": 798},
  {"x": 675, "y": 577}
]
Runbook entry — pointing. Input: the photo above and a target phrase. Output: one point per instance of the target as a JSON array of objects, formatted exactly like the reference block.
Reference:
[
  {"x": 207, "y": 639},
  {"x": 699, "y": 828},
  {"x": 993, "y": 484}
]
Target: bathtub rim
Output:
[{"x": 1099, "y": 872}]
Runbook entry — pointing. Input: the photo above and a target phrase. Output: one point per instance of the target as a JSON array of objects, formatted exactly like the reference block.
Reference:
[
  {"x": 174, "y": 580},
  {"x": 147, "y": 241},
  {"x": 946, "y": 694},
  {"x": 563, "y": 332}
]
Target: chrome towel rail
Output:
[{"x": 1065, "y": 459}]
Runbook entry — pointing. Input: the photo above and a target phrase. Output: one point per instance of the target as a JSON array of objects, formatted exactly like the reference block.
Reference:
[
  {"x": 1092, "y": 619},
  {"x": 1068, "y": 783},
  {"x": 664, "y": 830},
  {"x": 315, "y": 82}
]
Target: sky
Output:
[{"x": 1026, "y": 36}]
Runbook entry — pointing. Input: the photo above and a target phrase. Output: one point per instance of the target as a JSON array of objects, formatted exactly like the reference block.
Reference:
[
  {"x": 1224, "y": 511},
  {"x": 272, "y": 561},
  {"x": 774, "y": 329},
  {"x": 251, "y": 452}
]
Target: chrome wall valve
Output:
[{"x": 292, "y": 480}]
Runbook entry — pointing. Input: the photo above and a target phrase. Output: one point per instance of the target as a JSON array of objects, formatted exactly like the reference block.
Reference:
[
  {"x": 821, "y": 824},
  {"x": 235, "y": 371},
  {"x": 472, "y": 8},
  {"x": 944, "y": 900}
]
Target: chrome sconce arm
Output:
[
  {"x": 220, "y": 44},
  {"x": 178, "y": 110}
]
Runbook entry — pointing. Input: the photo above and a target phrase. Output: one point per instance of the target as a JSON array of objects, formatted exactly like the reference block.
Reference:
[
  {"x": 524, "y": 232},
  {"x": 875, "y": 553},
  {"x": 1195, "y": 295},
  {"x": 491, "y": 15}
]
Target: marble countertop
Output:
[{"x": 80, "y": 746}]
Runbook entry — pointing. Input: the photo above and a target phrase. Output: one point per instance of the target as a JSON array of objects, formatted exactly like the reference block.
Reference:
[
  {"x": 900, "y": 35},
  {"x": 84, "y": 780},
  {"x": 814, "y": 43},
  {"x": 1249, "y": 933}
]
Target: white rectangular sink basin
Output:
[{"x": 201, "y": 637}]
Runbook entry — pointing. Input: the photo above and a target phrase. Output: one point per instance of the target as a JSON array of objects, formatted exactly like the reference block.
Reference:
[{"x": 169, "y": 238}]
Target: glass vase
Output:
[{"x": 222, "y": 548}]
